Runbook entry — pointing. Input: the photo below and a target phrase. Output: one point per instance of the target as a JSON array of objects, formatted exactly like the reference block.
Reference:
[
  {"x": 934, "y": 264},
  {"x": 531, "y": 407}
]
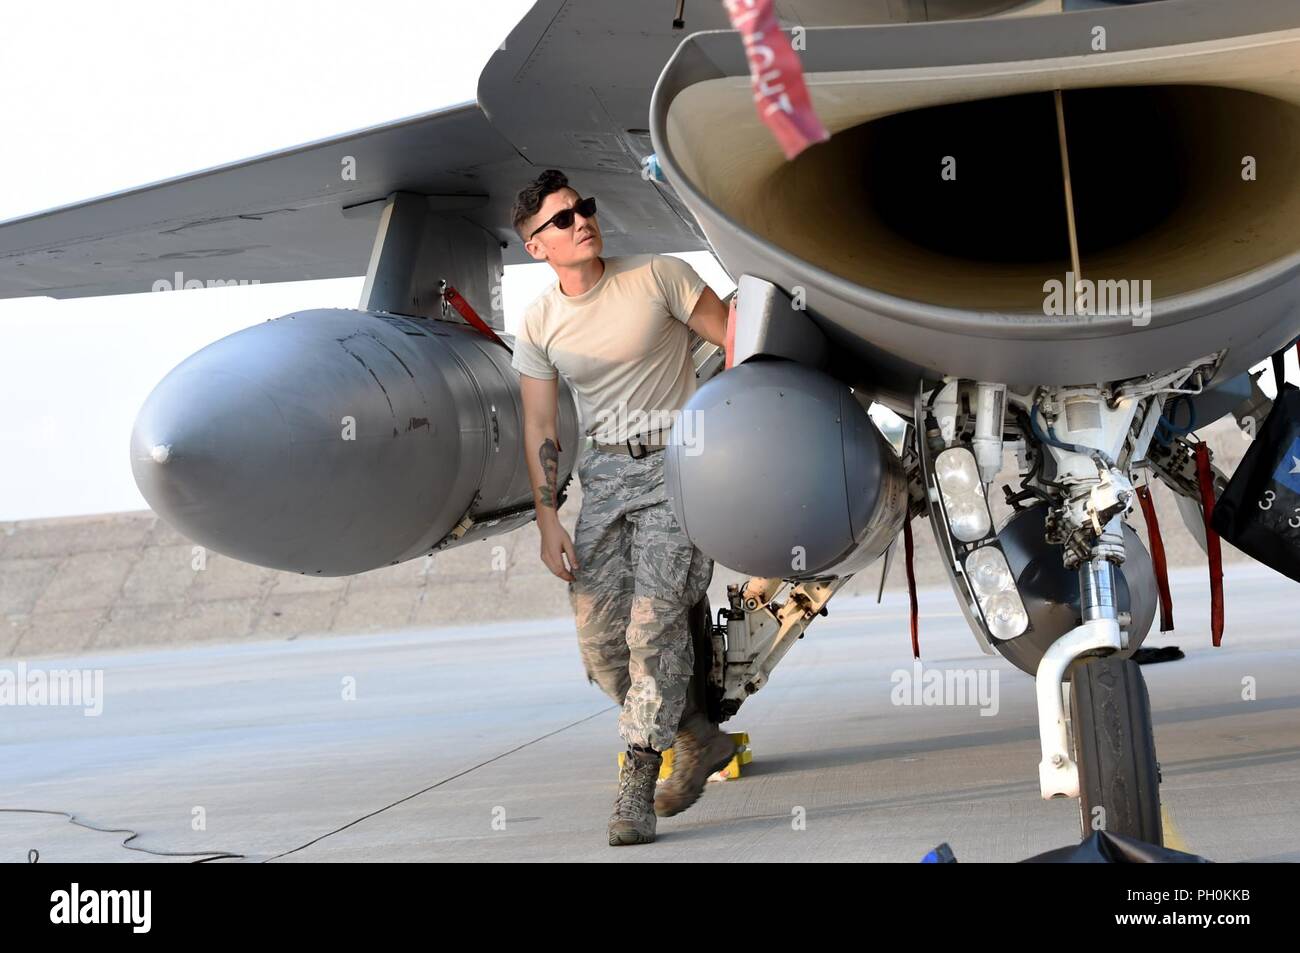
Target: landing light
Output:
[
  {"x": 963, "y": 494},
  {"x": 995, "y": 589}
]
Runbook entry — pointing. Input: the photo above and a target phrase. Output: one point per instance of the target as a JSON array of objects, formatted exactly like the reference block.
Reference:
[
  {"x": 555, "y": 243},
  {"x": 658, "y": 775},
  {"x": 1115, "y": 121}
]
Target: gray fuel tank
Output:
[{"x": 333, "y": 441}]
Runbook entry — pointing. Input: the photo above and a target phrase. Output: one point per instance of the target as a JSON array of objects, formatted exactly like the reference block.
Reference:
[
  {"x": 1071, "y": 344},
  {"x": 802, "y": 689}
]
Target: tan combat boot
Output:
[
  {"x": 633, "y": 820},
  {"x": 699, "y": 749}
]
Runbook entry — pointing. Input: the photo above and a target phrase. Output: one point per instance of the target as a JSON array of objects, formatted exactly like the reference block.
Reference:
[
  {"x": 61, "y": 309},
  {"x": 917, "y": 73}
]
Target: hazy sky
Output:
[{"x": 98, "y": 97}]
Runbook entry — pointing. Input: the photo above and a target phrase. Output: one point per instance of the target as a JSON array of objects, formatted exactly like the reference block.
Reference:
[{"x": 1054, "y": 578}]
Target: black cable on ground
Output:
[
  {"x": 437, "y": 784},
  {"x": 206, "y": 856},
  {"x": 33, "y": 855}
]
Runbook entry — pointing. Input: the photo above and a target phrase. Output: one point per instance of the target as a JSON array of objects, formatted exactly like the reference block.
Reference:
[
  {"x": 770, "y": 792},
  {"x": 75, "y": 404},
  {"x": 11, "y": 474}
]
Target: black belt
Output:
[{"x": 637, "y": 446}]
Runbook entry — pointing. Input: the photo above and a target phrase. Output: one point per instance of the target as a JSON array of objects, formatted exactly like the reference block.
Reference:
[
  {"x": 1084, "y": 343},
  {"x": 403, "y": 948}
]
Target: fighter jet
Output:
[{"x": 1033, "y": 227}]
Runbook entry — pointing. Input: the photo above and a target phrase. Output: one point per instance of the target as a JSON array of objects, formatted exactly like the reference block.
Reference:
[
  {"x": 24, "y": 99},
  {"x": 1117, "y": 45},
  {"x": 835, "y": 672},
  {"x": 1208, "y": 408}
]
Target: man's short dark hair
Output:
[{"x": 532, "y": 196}]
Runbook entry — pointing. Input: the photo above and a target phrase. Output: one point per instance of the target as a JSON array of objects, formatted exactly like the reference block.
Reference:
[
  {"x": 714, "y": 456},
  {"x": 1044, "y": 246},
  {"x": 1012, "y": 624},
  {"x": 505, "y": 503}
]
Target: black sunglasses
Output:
[{"x": 564, "y": 218}]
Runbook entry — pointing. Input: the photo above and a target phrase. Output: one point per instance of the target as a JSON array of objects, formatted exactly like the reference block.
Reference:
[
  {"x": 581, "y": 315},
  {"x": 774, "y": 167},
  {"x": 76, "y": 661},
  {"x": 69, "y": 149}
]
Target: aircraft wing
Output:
[
  {"x": 293, "y": 215},
  {"x": 283, "y": 216}
]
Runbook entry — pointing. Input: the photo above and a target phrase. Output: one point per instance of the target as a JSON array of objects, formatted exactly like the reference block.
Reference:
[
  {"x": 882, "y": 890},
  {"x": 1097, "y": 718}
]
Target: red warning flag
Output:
[
  {"x": 1205, "y": 480},
  {"x": 1157, "y": 557},
  {"x": 777, "y": 76},
  {"x": 457, "y": 301}
]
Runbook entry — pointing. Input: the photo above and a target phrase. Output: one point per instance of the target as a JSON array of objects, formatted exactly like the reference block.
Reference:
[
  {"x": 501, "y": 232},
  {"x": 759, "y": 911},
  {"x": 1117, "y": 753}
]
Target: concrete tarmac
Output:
[{"x": 486, "y": 743}]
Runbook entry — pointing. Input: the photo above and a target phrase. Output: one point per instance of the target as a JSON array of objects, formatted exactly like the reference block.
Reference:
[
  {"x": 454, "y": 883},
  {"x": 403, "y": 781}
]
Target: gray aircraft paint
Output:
[
  {"x": 571, "y": 88},
  {"x": 253, "y": 457}
]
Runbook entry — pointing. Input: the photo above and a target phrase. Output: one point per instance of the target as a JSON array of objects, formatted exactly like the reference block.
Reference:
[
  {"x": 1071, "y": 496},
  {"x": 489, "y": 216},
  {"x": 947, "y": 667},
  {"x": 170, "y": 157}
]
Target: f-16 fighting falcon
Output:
[{"x": 1055, "y": 232}]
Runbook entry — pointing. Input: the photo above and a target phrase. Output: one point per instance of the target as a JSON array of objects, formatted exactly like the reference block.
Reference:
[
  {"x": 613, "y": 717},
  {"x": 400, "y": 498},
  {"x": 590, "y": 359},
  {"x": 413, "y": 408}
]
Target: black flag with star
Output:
[{"x": 1259, "y": 512}]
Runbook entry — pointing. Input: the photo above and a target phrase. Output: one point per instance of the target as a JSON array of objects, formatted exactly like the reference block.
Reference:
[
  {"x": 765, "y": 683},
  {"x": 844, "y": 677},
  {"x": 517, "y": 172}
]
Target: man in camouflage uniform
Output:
[
  {"x": 617, "y": 329},
  {"x": 638, "y": 575}
]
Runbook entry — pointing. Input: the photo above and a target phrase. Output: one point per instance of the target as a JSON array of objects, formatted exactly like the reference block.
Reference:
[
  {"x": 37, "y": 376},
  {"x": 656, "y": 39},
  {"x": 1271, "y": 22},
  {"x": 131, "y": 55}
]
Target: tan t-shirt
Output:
[{"x": 623, "y": 345}]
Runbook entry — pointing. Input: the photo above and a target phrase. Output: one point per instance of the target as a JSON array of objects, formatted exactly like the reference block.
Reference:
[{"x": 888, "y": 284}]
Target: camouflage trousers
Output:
[{"x": 638, "y": 575}]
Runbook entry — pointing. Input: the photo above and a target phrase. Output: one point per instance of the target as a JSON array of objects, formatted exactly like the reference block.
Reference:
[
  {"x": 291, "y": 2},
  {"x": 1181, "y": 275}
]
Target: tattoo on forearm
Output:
[{"x": 549, "y": 454}]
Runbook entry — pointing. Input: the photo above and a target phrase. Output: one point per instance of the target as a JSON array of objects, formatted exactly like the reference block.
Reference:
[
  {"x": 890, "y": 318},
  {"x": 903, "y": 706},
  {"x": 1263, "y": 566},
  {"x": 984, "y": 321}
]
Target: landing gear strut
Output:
[
  {"x": 1109, "y": 763},
  {"x": 1119, "y": 785}
]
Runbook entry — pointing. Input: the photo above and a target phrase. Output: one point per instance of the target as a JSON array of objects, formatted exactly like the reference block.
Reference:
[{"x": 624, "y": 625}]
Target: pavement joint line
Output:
[{"x": 446, "y": 780}]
